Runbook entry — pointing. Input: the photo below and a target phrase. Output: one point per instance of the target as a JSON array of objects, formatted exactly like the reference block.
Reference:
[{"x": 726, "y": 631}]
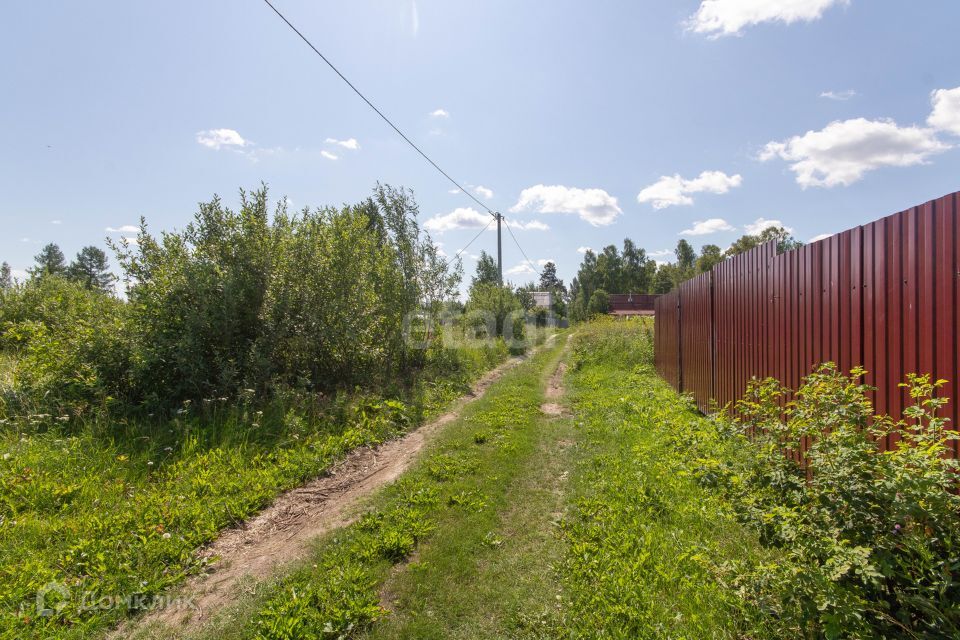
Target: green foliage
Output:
[
  {"x": 856, "y": 542},
  {"x": 599, "y": 303},
  {"x": 49, "y": 262},
  {"x": 785, "y": 241},
  {"x": 92, "y": 270},
  {"x": 642, "y": 535},
  {"x": 686, "y": 256},
  {"x": 118, "y": 507},
  {"x": 710, "y": 256},
  {"x": 629, "y": 271},
  {"x": 487, "y": 272},
  {"x": 315, "y": 301},
  {"x": 70, "y": 344},
  {"x": 121, "y": 519},
  {"x": 872, "y": 537},
  {"x": 551, "y": 283},
  {"x": 496, "y": 308},
  {"x": 6, "y": 277}
]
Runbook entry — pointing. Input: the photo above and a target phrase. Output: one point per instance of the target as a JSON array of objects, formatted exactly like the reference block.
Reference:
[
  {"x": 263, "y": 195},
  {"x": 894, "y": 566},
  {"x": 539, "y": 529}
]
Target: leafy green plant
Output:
[{"x": 871, "y": 537}]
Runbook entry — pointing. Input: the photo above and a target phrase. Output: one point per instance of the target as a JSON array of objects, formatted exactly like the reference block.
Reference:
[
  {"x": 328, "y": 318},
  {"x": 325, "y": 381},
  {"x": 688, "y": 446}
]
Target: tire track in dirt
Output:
[{"x": 281, "y": 534}]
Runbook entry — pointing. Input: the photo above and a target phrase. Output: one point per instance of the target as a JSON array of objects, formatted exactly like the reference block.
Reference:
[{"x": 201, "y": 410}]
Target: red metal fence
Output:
[{"x": 883, "y": 295}]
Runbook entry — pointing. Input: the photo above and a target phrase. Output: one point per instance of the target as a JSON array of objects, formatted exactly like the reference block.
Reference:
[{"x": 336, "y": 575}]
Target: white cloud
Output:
[
  {"x": 585, "y": 249},
  {"x": 841, "y": 152},
  {"x": 706, "y": 227},
  {"x": 440, "y": 113},
  {"x": 661, "y": 257},
  {"x": 839, "y": 95},
  {"x": 595, "y": 206},
  {"x": 414, "y": 19},
  {"x": 483, "y": 192},
  {"x": 729, "y": 17},
  {"x": 760, "y": 224},
  {"x": 522, "y": 268},
  {"x": 127, "y": 228},
  {"x": 822, "y": 236},
  {"x": 349, "y": 143},
  {"x": 221, "y": 138},
  {"x": 328, "y": 155},
  {"x": 533, "y": 225},
  {"x": 453, "y": 191},
  {"x": 470, "y": 218},
  {"x": 526, "y": 267},
  {"x": 19, "y": 274},
  {"x": 674, "y": 190},
  {"x": 56, "y": 222},
  {"x": 460, "y": 218},
  {"x": 946, "y": 110}
]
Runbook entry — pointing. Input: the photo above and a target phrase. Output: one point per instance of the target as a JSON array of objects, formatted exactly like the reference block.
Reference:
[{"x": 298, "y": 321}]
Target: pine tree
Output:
[
  {"x": 549, "y": 280},
  {"x": 50, "y": 262},
  {"x": 91, "y": 269},
  {"x": 6, "y": 277}
]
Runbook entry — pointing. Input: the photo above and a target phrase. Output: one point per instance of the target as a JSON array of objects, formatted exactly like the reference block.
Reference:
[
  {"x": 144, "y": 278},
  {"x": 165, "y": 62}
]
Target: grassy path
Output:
[
  {"x": 599, "y": 530},
  {"x": 457, "y": 492},
  {"x": 558, "y": 505},
  {"x": 491, "y": 575}
]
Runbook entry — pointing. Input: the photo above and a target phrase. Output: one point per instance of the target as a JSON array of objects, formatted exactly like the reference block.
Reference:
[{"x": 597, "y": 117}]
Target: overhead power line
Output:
[
  {"x": 524, "y": 253},
  {"x": 378, "y": 112},
  {"x": 474, "y": 238}
]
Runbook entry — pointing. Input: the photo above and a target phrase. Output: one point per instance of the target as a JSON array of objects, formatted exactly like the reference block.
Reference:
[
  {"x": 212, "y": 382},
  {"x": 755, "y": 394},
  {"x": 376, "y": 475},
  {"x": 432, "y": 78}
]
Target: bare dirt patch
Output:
[
  {"x": 282, "y": 533},
  {"x": 554, "y": 392}
]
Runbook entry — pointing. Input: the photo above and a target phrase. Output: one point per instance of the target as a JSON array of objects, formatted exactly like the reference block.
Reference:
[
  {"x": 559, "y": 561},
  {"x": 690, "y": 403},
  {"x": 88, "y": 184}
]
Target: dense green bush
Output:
[
  {"x": 68, "y": 341},
  {"x": 313, "y": 301},
  {"x": 871, "y": 537}
]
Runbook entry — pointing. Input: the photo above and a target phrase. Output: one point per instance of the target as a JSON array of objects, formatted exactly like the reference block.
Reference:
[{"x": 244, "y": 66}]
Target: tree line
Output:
[
  {"x": 90, "y": 268},
  {"x": 631, "y": 270}
]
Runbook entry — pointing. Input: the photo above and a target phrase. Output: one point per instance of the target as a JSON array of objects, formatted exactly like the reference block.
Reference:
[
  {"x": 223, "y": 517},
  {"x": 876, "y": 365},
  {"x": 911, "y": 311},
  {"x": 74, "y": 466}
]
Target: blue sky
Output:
[{"x": 583, "y": 122}]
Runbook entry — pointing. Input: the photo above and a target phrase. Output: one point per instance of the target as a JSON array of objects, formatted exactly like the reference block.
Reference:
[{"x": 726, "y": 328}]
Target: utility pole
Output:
[{"x": 499, "y": 251}]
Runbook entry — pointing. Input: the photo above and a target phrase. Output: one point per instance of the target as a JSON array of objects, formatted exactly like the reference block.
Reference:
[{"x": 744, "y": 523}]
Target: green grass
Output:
[
  {"x": 8, "y": 365},
  {"x": 433, "y": 556},
  {"x": 512, "y": 524},
  {"x": 517, "y": 525},
  {"x": 646, "y": 543},
  {"x": 489, "y": 573},
  {"x": 117, "y": 510}
]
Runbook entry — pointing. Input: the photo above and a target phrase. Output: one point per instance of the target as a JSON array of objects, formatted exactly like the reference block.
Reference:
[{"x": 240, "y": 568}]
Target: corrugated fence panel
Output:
[
  {"x": 667, "y": 338},
  {"x": 885, "y": 296},
  {"x": 696, "y": 356}
]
